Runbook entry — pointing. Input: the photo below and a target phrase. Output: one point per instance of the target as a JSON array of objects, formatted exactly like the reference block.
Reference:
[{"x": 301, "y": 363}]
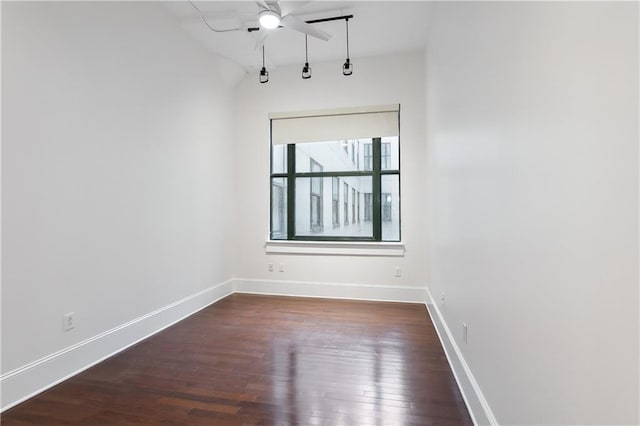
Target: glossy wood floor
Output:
[{"x": 265, "y": 360}]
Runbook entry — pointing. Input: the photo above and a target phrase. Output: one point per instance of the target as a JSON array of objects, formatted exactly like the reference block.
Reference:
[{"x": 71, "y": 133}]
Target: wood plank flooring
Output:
[{"x": 267, "y": 360}]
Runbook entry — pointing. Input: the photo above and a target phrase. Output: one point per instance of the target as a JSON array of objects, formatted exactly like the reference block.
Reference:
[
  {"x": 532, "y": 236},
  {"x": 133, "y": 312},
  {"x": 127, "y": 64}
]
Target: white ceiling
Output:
[{"x": 377, "y": 28}]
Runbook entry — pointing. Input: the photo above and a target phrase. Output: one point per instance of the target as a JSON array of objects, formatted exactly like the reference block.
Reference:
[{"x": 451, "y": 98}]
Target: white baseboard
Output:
[
  {"x": 331, "y": 290},
  {"x": 477, "y": 405},
  {"x": 31, "y": 379}
]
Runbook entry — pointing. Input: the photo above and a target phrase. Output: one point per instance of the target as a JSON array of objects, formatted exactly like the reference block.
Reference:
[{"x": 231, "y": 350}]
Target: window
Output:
[{"x": 313, "y": 167}]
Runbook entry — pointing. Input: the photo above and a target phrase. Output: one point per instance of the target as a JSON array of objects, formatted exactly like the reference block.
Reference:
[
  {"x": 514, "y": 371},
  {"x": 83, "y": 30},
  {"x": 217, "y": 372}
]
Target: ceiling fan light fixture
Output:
[{"x": 269, "y": 19}]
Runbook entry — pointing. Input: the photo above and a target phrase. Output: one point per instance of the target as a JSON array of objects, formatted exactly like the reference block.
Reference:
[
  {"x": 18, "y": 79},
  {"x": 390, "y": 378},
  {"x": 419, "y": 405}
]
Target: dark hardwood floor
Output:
[{"x": 266, "y": 360}]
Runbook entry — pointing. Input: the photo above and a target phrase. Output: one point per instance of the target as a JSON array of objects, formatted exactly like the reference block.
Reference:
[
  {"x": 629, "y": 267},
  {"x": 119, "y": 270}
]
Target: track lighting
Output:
[
  {"x": 269, "y": 19},
  {"x": 264, "y": 75},
  {"x": 347, "y": 67},
  {"x": 272, "y": 18},
  {"x": 306, "y": 70}
]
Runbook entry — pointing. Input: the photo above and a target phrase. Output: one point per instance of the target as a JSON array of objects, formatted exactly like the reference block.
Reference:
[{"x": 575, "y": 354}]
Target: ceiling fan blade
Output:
[
  {"x": 262, "y": 5},
  {"x": 262, "y": 37},
  {"x": 287, "y": 7},
  {"x": 298, "y": 24},
  {"x": 273, "y": 5},
  {"x": 269, "y": 5}
]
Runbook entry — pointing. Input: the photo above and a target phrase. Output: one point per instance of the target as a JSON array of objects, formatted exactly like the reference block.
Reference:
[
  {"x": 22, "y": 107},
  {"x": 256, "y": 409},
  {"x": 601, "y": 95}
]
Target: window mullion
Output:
[
  {"x": 291, "y": 191},
  {"x": 376, "y": 185}
]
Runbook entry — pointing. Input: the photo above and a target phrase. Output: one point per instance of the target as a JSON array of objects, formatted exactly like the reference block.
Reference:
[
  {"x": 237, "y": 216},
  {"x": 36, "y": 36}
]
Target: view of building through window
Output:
[{"x": 332, "y": 181}]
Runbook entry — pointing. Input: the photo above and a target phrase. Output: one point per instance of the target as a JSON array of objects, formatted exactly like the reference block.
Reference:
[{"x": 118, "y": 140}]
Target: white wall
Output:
[
  {"x": 375, "y": 81},
  {"x": 532, "y": 129},
  {"x": 116, "y": 162}
]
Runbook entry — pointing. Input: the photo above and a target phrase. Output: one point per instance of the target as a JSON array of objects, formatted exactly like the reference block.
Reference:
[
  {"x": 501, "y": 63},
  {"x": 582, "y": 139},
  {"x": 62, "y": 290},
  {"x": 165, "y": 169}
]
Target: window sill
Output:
[{"x": 339, "y": 248}]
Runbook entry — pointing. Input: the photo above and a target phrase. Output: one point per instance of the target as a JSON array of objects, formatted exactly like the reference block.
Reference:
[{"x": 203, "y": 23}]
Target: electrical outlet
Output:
[
  {"x": 68, "y": 321},
  {"x": 465, "y": 332},
  {"x": 270, "y": 267},
  {"x": 281, "y": 267},
  {"x": 398, "y": 273}
]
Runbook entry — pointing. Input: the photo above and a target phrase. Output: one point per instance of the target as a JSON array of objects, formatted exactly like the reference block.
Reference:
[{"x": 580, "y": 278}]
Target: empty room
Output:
[{"x": 320, "y": 213}]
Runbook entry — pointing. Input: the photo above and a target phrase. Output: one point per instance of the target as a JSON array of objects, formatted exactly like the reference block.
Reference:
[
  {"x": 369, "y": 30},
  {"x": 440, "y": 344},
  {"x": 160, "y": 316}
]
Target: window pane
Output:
[
  {"x": 334, "y": 156},
  {"x": 389, "y": 154},
  {"x": 279, "y": 158},
  {"x": 278, "y": 209},
  {"x": 390, "y": 207},
  {"x": 329, "y": 213}
]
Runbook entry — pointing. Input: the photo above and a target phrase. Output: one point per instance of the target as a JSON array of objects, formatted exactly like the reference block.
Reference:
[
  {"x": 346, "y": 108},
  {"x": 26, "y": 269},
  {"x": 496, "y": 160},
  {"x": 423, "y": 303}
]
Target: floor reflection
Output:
[{"x": 334, "y": 379}]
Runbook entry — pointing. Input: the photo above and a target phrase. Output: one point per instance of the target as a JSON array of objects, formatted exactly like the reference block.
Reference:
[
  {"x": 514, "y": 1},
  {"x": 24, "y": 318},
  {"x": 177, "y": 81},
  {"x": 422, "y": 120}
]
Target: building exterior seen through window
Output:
[
  {"x": 335, "y": 201},
  {"x": 336, "y": 190}
]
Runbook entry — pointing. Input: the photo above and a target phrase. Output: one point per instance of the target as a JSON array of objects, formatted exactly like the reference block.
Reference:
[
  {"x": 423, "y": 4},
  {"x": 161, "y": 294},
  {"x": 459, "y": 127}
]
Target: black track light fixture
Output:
[
  {"x": 347, "y": 67},
  {"x": 264, "y": 74},
  {"x": 306, "y": 70}
]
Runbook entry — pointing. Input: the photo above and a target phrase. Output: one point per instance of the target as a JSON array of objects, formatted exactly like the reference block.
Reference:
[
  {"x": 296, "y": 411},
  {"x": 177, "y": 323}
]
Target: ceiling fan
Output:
[{"x": 272, "y": 14}]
